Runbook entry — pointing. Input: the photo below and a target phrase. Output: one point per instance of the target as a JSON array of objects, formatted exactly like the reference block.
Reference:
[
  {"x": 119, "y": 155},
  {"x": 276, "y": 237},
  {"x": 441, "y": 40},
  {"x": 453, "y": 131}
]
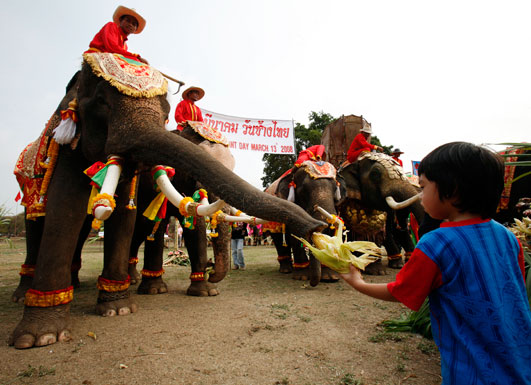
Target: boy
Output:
[
  {"x": 471, "y": 268},
  {"x": 113, "y": 35}
]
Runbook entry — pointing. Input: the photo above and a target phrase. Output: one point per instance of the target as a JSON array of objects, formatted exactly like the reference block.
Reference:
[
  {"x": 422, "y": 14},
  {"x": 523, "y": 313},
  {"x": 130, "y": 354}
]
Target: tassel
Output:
[
  {"x": 66, "y": 130},
  {"x": 291, "y": 195},
  {"x": 284, "y": 235},
  {"x": 151, "y": 237},
  {"x": 132, "y": 193},
  {"x": 338, "y": 193}
]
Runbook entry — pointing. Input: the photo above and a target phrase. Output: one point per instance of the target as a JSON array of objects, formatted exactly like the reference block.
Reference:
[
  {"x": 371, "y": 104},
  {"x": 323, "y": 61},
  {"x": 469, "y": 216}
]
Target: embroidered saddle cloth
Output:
[
  {"x": 319, "y": 169},
  {"x": 129, "y": 76},
  {"x": 208, "y": 132}
]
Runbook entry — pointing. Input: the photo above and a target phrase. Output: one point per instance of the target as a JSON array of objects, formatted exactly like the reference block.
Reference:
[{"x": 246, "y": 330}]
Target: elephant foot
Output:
[
  {"x": 301, "y": 274},
  {"x": 41, "y": 326},
  {"x": 133, "y": 274},
  {"x": 24, "y": 285},
  {"x": 328, "y": 275},
  {"x": 115, "y": 303},
  {"x": 395, "y": 263},
  {"x": 286, "y": 266},
  {"x": 152, "y": 285},
  {"x": 202, "y": 289},
  {"x": 375, "y": 268}
]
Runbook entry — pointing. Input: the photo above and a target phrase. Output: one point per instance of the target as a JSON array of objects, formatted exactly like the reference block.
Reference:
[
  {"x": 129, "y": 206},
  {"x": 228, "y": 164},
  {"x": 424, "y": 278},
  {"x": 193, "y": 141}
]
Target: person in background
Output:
[
  {"x": 472, "y": 269},
  {"x": 239, "y": 231},
  {"x": 396, "y": 156},
  {"x": 361, "y": 144},
  {"x": 186, "y": 109},
  {"x": 113, "y": 36}
]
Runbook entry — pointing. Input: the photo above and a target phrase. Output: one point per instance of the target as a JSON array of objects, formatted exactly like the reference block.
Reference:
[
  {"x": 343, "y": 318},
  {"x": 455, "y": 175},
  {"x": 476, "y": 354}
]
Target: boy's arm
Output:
[{"x": 375, "y": 290}]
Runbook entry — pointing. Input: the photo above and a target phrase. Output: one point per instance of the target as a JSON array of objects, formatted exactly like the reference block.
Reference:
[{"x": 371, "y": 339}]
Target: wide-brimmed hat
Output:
[
  {"x": 121, "y": 11},
  {"x": 189, "y": 89},
  {"x": 396, "y": 151},
  {"x": 367, "y": 129}
]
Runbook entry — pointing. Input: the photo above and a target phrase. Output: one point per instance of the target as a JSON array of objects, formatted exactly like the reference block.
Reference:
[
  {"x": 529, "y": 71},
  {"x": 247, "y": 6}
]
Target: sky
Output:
[{"x": 422, "y": 72}]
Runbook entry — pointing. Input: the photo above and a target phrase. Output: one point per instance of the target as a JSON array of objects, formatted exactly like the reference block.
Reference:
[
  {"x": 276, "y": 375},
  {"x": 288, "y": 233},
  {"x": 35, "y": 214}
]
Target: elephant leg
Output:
[
  {"x": 152, "y": 282},
  {"x": 76, "y": 261},
  {"x": 196, "y": 245},
  {"x": 301, "y": 264},
  {"x": 375, "y": 268},
  {"x": 46, "y": 310},
  {"x": 222, "y": 251},
  {"x": 283, "y": 253},
  {"x": 34, "y": 229},
  {"x": 394, "y": 254},
  {"x": 402, "y": 235},
  {"x": 328, "y": 275},
  {"x": 143, "y": 228},
  {"x": 113, "y": 284}
]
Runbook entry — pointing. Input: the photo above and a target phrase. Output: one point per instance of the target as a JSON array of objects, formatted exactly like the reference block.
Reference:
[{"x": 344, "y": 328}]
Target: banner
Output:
[
  {"x": 415, "y": 166},
  {"x": 253, "y": 135}
]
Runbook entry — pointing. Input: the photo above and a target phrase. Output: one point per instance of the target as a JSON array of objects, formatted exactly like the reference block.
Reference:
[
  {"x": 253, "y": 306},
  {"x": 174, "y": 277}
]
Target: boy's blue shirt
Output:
[{"x": 481, "y": 320}]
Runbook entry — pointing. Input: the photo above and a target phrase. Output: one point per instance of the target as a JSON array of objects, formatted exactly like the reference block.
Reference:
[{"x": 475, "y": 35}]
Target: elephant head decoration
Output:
[
  {"x": 119, "y": 109},
  {"x": 376, "y": 182}
]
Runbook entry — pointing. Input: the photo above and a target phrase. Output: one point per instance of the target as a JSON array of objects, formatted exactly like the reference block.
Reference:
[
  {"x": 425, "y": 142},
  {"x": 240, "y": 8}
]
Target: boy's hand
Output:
[{"x": 353, "y": 276}]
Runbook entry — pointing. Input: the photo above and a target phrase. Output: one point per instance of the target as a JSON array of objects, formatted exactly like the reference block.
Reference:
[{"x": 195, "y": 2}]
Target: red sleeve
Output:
[
  {"x": 416, "y": 280},
  {"x": 180, "y": 112},
  {"x": 110, "y": 39}
]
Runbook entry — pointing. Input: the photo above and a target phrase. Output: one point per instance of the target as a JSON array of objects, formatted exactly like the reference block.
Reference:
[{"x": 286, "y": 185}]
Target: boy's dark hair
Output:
[{"x": 470, "y": 173}]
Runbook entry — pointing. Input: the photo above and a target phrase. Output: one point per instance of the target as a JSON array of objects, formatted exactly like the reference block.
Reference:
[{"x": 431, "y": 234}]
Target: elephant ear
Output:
[{"x": 350, "y": 175}]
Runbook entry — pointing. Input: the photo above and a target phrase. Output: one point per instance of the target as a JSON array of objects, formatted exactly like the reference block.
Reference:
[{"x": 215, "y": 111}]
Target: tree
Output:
[{"x": 277, "y": 164}]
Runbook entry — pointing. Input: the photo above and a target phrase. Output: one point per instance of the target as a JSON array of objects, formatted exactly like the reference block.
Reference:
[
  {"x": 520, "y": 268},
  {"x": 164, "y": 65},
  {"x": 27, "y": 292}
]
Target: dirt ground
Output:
[{"x": 264, "y": 328}]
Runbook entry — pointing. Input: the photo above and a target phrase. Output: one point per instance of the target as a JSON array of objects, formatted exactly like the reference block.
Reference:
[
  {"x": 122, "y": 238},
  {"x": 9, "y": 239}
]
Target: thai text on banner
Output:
[{"x": 254, "y": 135}]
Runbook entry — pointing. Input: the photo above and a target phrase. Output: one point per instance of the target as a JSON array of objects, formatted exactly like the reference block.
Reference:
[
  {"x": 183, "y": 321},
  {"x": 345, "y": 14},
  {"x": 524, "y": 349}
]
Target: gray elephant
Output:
[
  {"x": 120, "y": 119},
  {"x": 309, "y": 184},
  {"x": 377, "y": 183},
  {"x": 195, "y": 237}
]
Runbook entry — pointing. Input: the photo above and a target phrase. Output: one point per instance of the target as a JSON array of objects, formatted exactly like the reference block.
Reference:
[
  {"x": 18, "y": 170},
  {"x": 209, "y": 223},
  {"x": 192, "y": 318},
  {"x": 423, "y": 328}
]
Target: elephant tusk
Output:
[
  {"x": 329, "y": 217},
  {"x": 242, "y": 217},
  {"x": 103, "y": 212},
  {"x": 400, "y": 205},
  {"x": 176, "y": 198},
  {"x": 204, "y": 210},
  {"x": 168, "y": 190}
]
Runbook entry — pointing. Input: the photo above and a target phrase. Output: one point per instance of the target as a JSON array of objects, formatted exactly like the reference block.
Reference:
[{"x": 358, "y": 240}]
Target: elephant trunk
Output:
[{"x": 157, "y": 146}]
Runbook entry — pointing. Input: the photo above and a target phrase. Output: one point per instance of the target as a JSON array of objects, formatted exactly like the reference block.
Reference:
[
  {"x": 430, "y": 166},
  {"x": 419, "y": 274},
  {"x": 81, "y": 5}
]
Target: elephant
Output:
[
  {"x": 195, "y": 239},
  {"x": 313, "y": 184},
  {"x": 119, "y": 117},
  {"x": 376, "y": 182},
  {"x": 518, "y": 186}
]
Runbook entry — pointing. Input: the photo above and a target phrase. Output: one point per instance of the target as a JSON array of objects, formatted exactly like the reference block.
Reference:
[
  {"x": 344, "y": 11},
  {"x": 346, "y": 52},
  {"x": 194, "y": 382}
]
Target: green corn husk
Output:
[{"x": 337, "y": 255}]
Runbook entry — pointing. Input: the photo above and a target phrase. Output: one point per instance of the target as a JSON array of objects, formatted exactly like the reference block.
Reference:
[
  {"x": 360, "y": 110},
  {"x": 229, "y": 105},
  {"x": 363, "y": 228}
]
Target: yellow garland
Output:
[
  {"x": 132, "y": 193},
  {"x": 53, "y": 153},
  {"x": 133, "y": 261},
  {"x": 151, "y": 273},
  {"x": 110, "y": 285},
  {"x": 200, "y": 276},
  {"x": 301, "y": 265},
  {"x": 49, "y": 298},
  {"x": 182, "y": 206},
  {"x": 214, "y": 223},
  {"x": 151, "y": 237},
  {"x": 96, "y": 224},
  {"x": 27, "y": 270}
]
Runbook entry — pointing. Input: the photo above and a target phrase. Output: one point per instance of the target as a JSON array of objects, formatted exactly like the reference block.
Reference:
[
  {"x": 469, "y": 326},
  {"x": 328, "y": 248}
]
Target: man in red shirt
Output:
[
  {"x": 396, "y": 156},
  {"x": 186, "y": 109},
  {"x": 360, "y": 144},
  {"x": 113, "y": 36}
]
